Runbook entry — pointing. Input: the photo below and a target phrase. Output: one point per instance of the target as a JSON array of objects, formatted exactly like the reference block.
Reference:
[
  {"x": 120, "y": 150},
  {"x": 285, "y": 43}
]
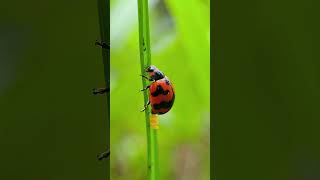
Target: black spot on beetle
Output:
[
  {"x": 159, "y": 91},
  {"x": 163, "y": 104}
]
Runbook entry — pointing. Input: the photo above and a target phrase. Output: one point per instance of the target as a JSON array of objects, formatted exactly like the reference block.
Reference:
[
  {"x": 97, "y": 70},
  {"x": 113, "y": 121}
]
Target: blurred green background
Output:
[
  {"x": 266, "y": 90},
  {"x": 51, "y": 127},
  {"x": 180, "y": 47}
]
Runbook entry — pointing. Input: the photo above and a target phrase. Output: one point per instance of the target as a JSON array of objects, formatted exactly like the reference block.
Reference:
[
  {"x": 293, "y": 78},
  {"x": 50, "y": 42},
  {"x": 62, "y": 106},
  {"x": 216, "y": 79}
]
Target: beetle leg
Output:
[
  {"x": 145, "y": 88},
  {"x": 145, "y": 106},
  {"x": 102, "y": 44},
  {"x": 103, "y": 155},
  {"x": 150, "y": 79},
  {"x": 100, "y": 90}
]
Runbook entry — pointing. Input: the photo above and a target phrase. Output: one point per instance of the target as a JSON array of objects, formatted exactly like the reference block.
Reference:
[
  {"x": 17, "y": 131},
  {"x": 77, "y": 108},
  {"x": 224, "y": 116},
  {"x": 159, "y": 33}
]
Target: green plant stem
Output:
[
  {"x": 145, "y": 61},
  {"x": 104, "y": 22}
]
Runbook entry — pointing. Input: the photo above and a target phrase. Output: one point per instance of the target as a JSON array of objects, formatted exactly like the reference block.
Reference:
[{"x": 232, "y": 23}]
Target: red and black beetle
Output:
[{"x": 161, "y": 92}]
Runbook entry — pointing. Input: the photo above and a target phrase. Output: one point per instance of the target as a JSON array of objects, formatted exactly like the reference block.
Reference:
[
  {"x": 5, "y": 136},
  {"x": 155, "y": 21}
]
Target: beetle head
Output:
[{"x": 154, "y": 72}]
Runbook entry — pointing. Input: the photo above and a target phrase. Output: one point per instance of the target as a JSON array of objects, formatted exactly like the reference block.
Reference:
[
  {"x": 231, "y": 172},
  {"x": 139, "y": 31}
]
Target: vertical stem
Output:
[
  {"x": 104, "y": 21},
  {"x": 145, "y": 61}
]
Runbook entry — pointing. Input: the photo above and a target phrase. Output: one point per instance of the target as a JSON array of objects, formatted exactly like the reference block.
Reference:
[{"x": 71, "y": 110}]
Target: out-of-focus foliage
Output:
[
  {"x": 266, "y": 90},
  {"x": 51, "y": 126},
  {"x": 180, "y": 33}
]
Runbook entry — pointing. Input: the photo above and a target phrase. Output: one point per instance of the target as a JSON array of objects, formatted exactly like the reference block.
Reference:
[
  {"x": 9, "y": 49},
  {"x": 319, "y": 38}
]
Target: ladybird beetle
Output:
[{"x": 161, "y": 93}]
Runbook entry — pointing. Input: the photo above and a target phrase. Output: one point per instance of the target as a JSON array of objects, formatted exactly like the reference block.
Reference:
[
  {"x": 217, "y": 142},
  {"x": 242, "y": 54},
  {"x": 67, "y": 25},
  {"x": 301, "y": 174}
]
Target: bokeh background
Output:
[
  {"x": 180, "y": 47},
  {"x": 51, "y": 127},
  {"x": 266, "y": 90}
]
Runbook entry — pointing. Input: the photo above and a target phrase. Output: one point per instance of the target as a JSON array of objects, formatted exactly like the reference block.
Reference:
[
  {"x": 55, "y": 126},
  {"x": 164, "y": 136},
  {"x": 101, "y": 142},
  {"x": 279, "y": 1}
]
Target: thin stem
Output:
[
  {"x": 104, "y": 21},
  {"x": 145, "y": 61}
]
